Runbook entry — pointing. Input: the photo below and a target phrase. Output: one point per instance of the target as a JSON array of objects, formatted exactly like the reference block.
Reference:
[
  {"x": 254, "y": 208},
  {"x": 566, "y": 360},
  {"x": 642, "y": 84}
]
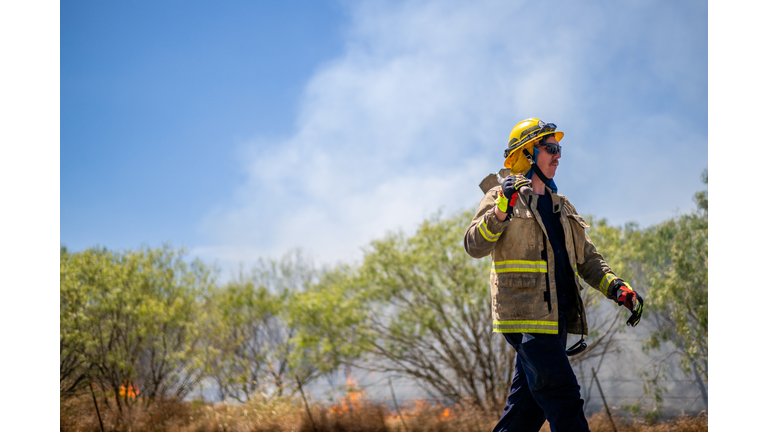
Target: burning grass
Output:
[{"x": 353, "y": 413}]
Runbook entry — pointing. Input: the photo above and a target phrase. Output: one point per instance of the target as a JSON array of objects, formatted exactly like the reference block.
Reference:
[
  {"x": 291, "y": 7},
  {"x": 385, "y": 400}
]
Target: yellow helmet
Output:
[{"x": 523, "y": 136}]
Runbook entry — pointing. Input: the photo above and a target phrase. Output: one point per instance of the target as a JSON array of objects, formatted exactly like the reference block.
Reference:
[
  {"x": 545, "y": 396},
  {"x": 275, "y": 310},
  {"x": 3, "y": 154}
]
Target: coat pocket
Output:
[{"x": 519, "y": 296}]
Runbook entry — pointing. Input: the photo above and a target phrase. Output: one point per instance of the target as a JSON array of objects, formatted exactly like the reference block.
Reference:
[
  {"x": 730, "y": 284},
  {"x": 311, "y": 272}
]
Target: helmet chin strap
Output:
[{"x": 536, "y": 169}]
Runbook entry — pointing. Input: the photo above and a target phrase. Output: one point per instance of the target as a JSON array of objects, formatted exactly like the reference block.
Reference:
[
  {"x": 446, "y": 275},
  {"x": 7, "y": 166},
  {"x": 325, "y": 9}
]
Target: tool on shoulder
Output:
[
  {"x": 497, "y": 178},
  {"x": 493, "y": 179},
  {"x": 504, "y": 203}
]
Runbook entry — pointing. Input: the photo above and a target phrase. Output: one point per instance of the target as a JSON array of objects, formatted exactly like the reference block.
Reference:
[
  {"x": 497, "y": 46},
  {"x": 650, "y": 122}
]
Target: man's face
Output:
[{"x": 547, "y": 162}]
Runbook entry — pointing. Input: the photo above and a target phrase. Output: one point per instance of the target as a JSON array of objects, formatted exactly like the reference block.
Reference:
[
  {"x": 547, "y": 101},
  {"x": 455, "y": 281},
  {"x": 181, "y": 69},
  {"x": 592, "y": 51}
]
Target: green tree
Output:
[
  {"x": 73, "y": 369},
  {"x": 675, "y": 258},
  {"x": 331, "y": 322},
  {"x": 250, "y": 342},
  {"x": 131, "y": 319},
  {"x": 281, "y": 325}
]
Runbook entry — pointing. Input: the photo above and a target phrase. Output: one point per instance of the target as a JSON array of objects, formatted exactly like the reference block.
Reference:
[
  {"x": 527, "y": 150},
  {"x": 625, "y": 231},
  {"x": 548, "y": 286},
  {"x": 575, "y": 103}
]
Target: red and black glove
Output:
[
  {"x": 625, "y": 296},
  {"x": 509, "y": 191}
]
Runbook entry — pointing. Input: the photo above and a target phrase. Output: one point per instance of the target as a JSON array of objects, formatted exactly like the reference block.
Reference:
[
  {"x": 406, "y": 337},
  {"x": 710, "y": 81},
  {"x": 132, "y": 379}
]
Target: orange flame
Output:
[
  {"x": 446, "y": 414},
  {"x": 351, "y": 401},
  {"x": 419, "y": 407},
  {"x": 129, "y": 389}
]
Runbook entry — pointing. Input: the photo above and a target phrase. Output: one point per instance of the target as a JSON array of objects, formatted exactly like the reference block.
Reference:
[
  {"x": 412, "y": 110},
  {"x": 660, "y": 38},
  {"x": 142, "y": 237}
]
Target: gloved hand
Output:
[
  {"x": 625, "y": 296},
  {"x": 509, "y": 191},
  {"x": 513, "y": 183}
]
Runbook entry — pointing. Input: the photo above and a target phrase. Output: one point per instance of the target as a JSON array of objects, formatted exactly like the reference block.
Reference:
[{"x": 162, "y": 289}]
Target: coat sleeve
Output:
[
  {"x": 485, "y": 230},
  {"x": 589, "y": 262}
]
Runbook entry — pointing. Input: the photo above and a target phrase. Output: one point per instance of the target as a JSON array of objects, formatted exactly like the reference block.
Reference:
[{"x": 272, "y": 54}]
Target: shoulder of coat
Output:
[{"x": 567, "y": 205}]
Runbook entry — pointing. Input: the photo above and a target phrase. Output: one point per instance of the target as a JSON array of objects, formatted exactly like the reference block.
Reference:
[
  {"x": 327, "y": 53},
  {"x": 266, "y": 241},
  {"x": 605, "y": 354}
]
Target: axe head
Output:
[{"x": 493, "y": 179}]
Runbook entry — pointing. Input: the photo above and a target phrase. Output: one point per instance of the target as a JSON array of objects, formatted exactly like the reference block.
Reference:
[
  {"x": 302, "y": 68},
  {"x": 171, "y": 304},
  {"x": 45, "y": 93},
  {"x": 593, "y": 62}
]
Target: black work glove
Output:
[
  {"x": 510, "y": 188},
  {"x": 513, "y": 184}
]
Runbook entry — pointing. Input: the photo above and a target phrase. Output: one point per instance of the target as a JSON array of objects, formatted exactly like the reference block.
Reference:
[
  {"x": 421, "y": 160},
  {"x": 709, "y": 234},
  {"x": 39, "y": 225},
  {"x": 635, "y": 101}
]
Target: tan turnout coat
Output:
[{"x": 523, "y": 288}]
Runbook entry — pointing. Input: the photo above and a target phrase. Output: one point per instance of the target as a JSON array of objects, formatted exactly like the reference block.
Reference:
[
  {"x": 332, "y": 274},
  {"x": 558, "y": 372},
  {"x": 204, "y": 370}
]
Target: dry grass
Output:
[
  {"x": 417, "y": 416},
  {"x": 353, "y": 414},
  {"x": 600, "y": 423},
  {"x": 274, "y": 415}
]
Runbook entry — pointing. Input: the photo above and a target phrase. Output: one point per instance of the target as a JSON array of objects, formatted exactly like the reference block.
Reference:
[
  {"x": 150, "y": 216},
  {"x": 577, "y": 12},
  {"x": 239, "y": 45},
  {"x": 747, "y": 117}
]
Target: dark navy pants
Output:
[{"x": 543, "y": 387}]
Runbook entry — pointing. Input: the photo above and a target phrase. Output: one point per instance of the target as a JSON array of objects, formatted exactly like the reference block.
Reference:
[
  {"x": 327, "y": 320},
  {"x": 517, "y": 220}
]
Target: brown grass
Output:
[
  {"x": 599, "y": 423},
  {"x": 349, "y": 415},
  {"x": 276, "y": 415}
]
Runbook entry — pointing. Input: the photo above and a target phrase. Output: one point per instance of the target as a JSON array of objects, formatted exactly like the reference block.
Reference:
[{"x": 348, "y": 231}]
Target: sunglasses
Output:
[{"x": 552, "y": 148}]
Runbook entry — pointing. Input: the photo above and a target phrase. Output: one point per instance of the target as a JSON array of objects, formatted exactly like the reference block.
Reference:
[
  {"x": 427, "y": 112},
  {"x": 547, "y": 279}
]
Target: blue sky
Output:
[
  {"x": 242, "y": 130},
  {"x": 157, "y": 96}
]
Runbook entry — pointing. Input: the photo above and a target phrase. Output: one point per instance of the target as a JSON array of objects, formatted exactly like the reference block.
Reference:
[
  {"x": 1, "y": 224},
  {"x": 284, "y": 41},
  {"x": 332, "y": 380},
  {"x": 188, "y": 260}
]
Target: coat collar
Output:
[{"x": 557, "y": 200}]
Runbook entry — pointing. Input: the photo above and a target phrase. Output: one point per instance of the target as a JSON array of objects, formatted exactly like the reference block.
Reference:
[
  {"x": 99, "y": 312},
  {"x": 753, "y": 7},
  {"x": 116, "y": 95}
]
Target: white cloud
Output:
[{"x": 418, "y": 109}]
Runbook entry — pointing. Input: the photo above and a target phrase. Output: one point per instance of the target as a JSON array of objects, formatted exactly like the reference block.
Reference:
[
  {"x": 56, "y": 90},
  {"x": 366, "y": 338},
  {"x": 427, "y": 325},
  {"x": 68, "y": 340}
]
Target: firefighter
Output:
[{"x": 539, "y": 245}]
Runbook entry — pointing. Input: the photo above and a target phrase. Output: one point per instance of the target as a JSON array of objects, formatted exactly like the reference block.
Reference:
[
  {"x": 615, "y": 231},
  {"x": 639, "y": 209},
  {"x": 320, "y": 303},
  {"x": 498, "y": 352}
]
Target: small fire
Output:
[
  {"x": 446, "y": 414},
  {"x": 129, "y": 390},
  {"x": 351, "y": 401},
  {"x": 421, "y": 404},
  {"x": 421, "y": 407}
]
